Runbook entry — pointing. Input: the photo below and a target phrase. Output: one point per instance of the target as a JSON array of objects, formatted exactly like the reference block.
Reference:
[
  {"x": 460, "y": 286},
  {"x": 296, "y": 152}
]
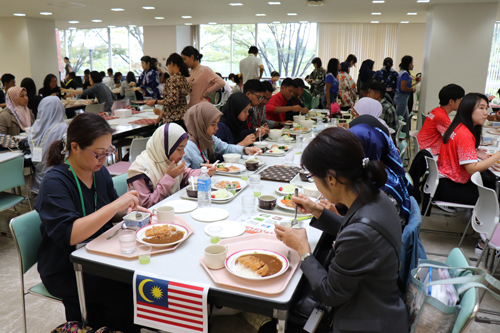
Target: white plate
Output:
[
  {"x": 215, "y": 180},
  {"x": 276, "y": 140},
  {"x": 284, "y": 145},
  {"x": 241, "y": 166},
  {"x": 223, "y": 199},
  {"x": 141, "y": 233},
  {"x": 182, "y": 206},
  {"x": 209, "y": 214},
  {"x": 285, "y": 193},
  {"x": 282, "y": 205},
  {"x": 229, "y": 228},
  {"x": 231, "y": 262}
]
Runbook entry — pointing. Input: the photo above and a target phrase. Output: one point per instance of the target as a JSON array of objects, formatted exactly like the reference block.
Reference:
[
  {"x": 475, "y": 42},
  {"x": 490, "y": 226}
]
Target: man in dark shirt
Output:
[
  {"x": 8, "y": 80},
  {"x": 86, "y": 83}
]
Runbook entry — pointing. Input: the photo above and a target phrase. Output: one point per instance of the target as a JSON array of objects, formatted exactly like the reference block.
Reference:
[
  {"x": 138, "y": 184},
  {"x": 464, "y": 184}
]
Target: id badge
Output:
[{"x": 36, "y": 155}]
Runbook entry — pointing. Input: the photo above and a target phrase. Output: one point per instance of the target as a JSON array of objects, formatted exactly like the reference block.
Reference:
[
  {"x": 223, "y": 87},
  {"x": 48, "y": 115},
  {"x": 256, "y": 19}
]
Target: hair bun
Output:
[{"x": 200, "y": 56}]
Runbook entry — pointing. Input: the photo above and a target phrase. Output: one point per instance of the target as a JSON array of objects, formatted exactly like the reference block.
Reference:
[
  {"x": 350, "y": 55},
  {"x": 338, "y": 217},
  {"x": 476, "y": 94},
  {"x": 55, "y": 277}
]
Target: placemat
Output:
[
  {"x": 143, "y": 121},
  {"x": 279, "y": 173},
  {"x": 105, "y": 116},
  {"x": 111, "y": 247}
]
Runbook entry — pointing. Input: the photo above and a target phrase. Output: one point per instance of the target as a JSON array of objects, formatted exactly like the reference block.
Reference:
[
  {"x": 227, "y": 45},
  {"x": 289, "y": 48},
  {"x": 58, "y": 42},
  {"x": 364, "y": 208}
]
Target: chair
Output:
[
  {"x": 12, "y": 171},
  {"x": 94, "y": 108},
  {"x": 403, "y": 146},
  {"x": 120, "y": 184},
  {"x": 315, "y": 102},
  {"x": 25, "y": 230},
  {"x": 416, "y": 146},
  {"x": 399, "y": 133},
  {"x": 137, "y": 147}
]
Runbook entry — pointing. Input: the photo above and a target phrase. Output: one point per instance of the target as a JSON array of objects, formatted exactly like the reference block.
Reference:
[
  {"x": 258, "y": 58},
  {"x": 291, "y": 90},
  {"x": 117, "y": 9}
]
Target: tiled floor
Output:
[{"x": 44, "y": 315}]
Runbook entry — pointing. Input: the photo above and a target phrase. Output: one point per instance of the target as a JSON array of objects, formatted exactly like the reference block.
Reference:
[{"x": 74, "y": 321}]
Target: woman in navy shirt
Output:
[
  {"x": 76, "y": 203},
  {"x": 331, "y": 82}
]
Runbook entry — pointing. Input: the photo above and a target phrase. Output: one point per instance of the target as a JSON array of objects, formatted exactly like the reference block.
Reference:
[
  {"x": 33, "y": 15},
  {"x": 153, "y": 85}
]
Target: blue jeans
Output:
[{"x": 401, "y": 101}]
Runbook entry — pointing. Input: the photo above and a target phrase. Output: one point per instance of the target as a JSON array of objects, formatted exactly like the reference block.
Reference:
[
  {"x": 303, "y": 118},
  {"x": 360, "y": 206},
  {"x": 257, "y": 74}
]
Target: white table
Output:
[
  {"x": 9, "y": 155},
  {"x": 184, "y": 263}
]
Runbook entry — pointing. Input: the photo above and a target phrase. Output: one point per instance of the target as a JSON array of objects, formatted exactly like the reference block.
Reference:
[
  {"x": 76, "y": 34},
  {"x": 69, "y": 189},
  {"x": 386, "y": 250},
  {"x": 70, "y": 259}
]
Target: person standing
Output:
[
  {"x": 317, "y": 79},
  {"x": 347, "y": 88},
  {"x": 331, "y": 83},
  {"x": 251, "y": 67},
  {"x": 67, "y": 68},
  {"x": 149, "y": 79},
  {"x": 404, "y": 88},
  {"x": 365, "y": 73},
  {"x": 388, "y": 76}
]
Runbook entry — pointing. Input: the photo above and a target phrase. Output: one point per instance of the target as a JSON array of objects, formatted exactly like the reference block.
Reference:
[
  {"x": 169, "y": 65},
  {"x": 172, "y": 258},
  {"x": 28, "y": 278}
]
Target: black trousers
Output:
[{"x": 466, "y": 194}]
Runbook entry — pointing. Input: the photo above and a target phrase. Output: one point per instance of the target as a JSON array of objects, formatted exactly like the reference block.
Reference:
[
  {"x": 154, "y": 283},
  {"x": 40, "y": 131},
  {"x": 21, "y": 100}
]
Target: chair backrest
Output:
[
  {"x": 25, "y": 230},
  {"x": 416, "y": 146},
  {"x": 486, "y": 212},
  {"x": 315, "y": 102},
  {"x": 136, "y": 148},
  {"x": 12, "y": 172},
  {"x": 94, "y": 108},
  {"x": 403, "y": 146},
  {"x": 120, "y": 184},
  {"x": 400, "y": 128},
  {"x": 432, "y": 181}
]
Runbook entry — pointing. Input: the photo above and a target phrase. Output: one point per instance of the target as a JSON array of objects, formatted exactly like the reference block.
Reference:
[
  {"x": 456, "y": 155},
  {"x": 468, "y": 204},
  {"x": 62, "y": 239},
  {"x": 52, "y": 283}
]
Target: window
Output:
[{"x": 493, "y": 78}]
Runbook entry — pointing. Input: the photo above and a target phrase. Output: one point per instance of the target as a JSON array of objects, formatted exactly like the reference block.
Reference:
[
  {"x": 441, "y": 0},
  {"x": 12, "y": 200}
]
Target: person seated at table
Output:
[
  {"x": 16, "y": 115},
  {"x": 202, "y": 123},
  {"x": 99, "y": 89},
  {"x": 301, "y": 95},
  {"x": 50, "y": 87},
  {"x": 379, "y": 147},
  {"x": 360, "y": 283},
  {"x": 258, "y": 113},
  {"x": 70, "y": 82},
  {"x": 234, "y": 125},
  {"x": 33, "y": 98},
  {"x": 368, "y": 106},
  {"x": 77, "y": 202},
  {"x": 109, "y": 77},
  {"x": 159, "y": 171},
  {"x": 49, "y": 127},
  {"x": 86, "y": 83},
  {"x": 238, "y": 79},
  {"x": 275, "y": 77},
  {"x": 126, "y": 87},
  {"x": 8, "y": 81},
  {"x": 116, "y": 81},
  {"x": 377, "y": 91},
  {"x": 459, "y": 157},
  {"x": 438, "y": 120},
  {"x": 277, "y": 107}
]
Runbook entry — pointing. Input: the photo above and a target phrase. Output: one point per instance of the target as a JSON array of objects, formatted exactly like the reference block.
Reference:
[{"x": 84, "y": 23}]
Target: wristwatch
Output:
[{"x": 304, "y": 256}]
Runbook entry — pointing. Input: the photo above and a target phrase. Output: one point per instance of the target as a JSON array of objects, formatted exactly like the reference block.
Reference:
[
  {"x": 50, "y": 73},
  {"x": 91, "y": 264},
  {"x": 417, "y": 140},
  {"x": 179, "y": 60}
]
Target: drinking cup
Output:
[
  {"x": 215, "y": 255},
  {"x": 165, "y": 214},
  {"x": 248, "y": 204},
  {"x": 127, "y": 241},
  {"x": 144, "y": 252}
]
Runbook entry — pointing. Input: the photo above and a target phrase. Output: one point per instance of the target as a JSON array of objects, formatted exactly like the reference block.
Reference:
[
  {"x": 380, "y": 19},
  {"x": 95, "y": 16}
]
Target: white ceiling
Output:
[{"x": 204, "y": 11}]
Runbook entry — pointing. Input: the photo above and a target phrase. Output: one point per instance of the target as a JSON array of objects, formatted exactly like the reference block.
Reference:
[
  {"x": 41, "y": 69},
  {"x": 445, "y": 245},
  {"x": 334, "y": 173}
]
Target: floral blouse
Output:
[
  {"x": 174, "y": 98},
  {"x": 347, "y": 90}
]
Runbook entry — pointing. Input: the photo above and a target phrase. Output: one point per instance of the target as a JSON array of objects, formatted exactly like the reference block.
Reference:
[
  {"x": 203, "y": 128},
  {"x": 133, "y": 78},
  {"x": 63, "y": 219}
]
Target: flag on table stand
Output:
[{"x": 174, "y": 306}]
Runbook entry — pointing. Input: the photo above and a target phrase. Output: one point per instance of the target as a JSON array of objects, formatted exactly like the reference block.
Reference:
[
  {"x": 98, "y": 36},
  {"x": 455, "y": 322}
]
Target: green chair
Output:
[
  {"x": 315, "y": 102},
  {"x": 120, "y": 184},
  {"x": 403, "y": 147},
  {"x": 12, "y": 172},
  {"x": 25, "y": 230}
]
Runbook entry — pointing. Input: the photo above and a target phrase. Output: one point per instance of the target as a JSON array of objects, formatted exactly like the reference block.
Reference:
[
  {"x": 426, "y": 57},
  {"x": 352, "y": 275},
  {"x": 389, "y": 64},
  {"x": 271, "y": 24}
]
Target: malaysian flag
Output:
[{"x": 174, "y": 306}]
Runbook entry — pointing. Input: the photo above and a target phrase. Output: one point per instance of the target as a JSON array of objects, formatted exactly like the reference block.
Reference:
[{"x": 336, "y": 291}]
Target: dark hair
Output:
[
  {"x": 230, "y": 76},
  {"x": 267, "y": 86},
  {"x": 300, "y": 83},
  {"x": 47, "y": 80},
  {"x": 498, "y": 91},
  {"x": 103, "y": 75},
  {"x": 6, "y": 78},
  {"x": 274, "y": 73},
  {"x": 72, "y": 75},
  {"x": 96, "y": 77},
  {"x": 254, "y": 86},
  {"x": 83, "y": 129},
  {"x": 405, "y": 63},
  {"x": 253, "y": 49},
  {"x": 344, "y": 162},
  {"x": 388, "y": 63},
  {"x": 333, "y": 65},
  {"x": 110, "y": 70},
  {"x": 66, "y": 58},
  {"x": 288, "y": 82},
  {"x": 191, "y": 51},
  {"x": 317, "y": 61},
  {"x": 116, "y": 77},
  {"x": 131, "y": 77},
  {"x": 176, "y": 59},
  {"x": 378, "y": 87},
  {"x": 30, "y": 86},
  {"x": 464, "y": 116},
  {"x": 148, "y": 59},
  {"x": 86, "y": 72},
  {"x": 166, "y": 75},
  {"x": 351, "y": 57},
  {"x": 238, "y": 78},
  {"x": 451, "y": 91},
  {"x": 154, "y": 61},
  {"x": 368, "y": 85}
]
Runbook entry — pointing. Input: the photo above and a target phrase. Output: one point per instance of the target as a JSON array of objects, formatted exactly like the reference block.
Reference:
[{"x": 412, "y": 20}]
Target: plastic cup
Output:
[
  {"x": 257, "y": 191},
  {"x": 288, "y": 160},
  {"x": 214, "y": 232},
  {"x": 244, "y": 175},
  {"x": 254, "y": 180},
  {"x": 144, "y": 252},
  {"x": 248, "y": 204},
  {"x": 231, "y": 188},
  {"x": 281, "y": 140},
  {"x": 127, "y": 241}
]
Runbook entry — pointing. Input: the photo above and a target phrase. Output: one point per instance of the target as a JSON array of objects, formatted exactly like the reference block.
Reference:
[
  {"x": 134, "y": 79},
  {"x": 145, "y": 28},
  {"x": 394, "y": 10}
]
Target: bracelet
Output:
[{"x": 304, "y": 256}]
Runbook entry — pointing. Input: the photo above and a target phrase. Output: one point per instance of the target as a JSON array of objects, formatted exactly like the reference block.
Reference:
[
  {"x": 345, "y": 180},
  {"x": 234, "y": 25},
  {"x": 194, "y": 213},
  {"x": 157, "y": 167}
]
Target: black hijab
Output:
[
  {"x": 366, "y": 72},
  {"x": 236, "y": 103}
]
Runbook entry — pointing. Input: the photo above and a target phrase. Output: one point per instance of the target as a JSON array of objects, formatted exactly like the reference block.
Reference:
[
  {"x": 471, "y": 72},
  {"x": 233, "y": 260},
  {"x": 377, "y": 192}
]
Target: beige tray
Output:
[
  {"x": 183, "y": 195},
  {"x": 298, "y": 182},
  {"x": 267, "y": 242},
  {"x": 111, "y": 247}
]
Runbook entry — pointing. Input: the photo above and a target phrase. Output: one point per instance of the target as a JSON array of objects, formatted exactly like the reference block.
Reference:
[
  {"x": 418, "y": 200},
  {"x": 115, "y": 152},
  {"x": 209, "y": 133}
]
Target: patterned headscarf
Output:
[{"x": 22, "y": 113}]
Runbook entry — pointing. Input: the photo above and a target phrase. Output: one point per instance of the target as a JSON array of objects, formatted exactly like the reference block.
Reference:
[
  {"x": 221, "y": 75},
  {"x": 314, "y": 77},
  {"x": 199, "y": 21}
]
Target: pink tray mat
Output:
[
  {"x": 255, "y": 241},
  {"x": 111, "y": 247}
]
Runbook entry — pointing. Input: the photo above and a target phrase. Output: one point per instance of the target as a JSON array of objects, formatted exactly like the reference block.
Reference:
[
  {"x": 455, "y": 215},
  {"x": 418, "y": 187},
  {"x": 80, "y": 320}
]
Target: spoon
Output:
[
  {"x": 138, "y": 215},
  {"x": 123, "y": 227},
  {"x": 295, "y": 221}
]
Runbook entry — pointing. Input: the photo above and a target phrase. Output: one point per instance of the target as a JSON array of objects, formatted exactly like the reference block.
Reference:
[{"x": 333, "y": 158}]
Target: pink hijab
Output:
[{"x": 22, "y": 113}]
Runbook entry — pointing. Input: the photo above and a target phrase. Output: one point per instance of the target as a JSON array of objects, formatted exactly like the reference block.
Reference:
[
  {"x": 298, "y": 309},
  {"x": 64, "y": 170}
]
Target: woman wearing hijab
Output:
[
  {"x": 347, "y": 87},
  {"x": 156, "y": 173},
  {"x": 49, "y": 127},
  {"x": 16, "y": 115},
  {"x": 234, "y": 125},
  {"x": 365, "y": 73},
  {"x": 202, "y": 123},
  {"x": 368, "y": 106}
]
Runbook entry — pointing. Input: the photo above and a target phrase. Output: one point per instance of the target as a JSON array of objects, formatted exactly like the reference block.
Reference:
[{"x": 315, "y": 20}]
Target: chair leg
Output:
[
  {"x": 482, "y": 254},
  {"x": 426, "y": 210},
  {"x": 24, "y": 304},
  {"x": 463, "y": 236},
  {"x": 28, "y": 195}
]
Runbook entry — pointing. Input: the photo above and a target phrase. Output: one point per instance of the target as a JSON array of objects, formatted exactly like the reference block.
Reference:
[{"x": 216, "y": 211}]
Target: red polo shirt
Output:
[
  {"x": 276, "y": 101},
  {"x": 431, "y": 134}
]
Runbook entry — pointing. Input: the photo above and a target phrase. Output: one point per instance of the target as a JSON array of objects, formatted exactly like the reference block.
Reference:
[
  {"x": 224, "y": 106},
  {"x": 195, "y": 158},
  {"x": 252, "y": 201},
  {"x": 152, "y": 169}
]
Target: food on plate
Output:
[
  {"x": 223, "y": 183},
  {"x": 281, "y": 147},
  {"x": 221, "y": 194},
  {"x": 224, "y": 168},
  {"x": 276, "y": 151},
  {"x": 287, "y": 137},
  {"x": 287, "y": 200},
  {"x": 163, "y": 234},
  {"x": 289, "y": 188},
  {"x": 258, "y": 265}
]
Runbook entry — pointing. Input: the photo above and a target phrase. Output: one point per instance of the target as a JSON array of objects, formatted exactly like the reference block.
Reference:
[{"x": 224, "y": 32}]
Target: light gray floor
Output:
[{"x": 44, "y": 315}]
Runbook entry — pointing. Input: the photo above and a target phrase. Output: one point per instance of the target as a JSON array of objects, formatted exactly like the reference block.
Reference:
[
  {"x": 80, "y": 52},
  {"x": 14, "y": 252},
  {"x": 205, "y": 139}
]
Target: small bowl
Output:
[
  {"x": 260, "y": 144},
  {"x": 192, "y": 193},
  {"x": 311, "y": 191},
  {"x": 252, "y": 166},
  {"x": 132, "y": 223},
  {"x": 312, "y": 113},
  {"x": 231, "y": 158},
  {"x": 275, "y": 133},
  {"x": 495, "y": 123},
  {"x": 304, "y": 175},
  {"x": 306, "y": 123},
  {"x": 287, "y": 126},
  {"x": 267, "y": 202}
]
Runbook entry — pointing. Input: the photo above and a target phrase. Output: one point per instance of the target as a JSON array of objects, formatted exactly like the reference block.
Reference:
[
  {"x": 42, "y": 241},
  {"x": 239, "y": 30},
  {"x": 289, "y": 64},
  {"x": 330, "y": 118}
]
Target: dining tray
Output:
[
  {"x": 238, "y": 175},
  {"x": 298, "y": 182},
  {"x": 183, "y": 195},
  {"x": 267, "y": 287},
  {"x": 279, "y": 173},
  {"x": 111, "y": 247}
]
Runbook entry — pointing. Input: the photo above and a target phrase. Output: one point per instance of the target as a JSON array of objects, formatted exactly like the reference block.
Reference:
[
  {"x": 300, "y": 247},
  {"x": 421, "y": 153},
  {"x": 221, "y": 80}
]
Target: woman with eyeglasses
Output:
[{"x": 77, "y": 202}]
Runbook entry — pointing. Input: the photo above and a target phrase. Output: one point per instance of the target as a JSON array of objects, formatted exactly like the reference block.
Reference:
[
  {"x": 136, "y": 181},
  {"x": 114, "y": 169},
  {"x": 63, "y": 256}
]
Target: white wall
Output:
[
  {"x": 160, "y": 42},
  {"x": 14, "y": 48},
  {"x": 183, "y": 37},
  {"x": 411, "y": 39}
]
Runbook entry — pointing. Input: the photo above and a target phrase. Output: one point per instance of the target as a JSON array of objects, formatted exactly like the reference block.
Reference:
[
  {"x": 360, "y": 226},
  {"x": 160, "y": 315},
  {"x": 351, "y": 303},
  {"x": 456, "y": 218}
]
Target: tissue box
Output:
[{"x": 123, "y": 113}]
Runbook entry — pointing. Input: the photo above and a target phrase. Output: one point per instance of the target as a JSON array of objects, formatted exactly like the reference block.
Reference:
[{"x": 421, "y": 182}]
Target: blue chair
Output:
[
  {"x": 12, "y": 172},
  {"x": 120, "y": 184},
  {"x": 25, "y": 230}
]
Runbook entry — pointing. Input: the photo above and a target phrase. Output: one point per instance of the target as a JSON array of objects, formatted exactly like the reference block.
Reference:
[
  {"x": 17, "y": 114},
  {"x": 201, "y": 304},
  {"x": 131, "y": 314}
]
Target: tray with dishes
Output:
[
  {"x": 287, "y": 138},
  {"x": 111, "y": 246},
  {"x": 219, "y": 193},
  {"x": 300, "y": 130},
  {"x": 261, "y": 166},
  {"x": 263, "y": 270},
  {"x": 276, "y": 150},
  {"x": 229, "y": 168}
]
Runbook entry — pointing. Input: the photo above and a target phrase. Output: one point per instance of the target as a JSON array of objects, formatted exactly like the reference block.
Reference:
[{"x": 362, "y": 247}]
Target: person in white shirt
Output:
[
  {"x": 108, "y": 78},
  {"x": 251, "y": 67}
]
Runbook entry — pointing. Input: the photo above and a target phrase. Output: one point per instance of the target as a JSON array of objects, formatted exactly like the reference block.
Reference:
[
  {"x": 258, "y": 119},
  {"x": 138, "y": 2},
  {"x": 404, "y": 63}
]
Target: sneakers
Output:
[{"x": 479, "y": 249}]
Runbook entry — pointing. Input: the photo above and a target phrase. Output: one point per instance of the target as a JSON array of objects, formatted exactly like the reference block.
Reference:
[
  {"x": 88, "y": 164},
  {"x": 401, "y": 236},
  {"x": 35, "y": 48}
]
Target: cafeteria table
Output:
[{"x": 184, "y": 262}]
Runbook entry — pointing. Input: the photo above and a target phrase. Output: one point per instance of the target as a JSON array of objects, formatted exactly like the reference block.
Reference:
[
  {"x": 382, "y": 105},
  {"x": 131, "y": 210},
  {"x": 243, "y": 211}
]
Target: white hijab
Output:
[
  {"x": 370, "y": 106},
  {"x": 154, "y": 161}
]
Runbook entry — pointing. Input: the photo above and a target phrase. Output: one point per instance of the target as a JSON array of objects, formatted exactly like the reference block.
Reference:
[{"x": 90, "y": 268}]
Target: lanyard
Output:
[
  {"x": 80, "y": 189},
  {"x": 248, "y": 124},
  {"x": 204, "y": 159},
  {"x": 41, "y": 144}
]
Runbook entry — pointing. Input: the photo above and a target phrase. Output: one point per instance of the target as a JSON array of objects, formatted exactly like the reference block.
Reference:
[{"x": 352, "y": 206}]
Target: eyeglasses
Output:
[
  {"x": 110, "y": 152},
  {"x": 261, "y": 98}
]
